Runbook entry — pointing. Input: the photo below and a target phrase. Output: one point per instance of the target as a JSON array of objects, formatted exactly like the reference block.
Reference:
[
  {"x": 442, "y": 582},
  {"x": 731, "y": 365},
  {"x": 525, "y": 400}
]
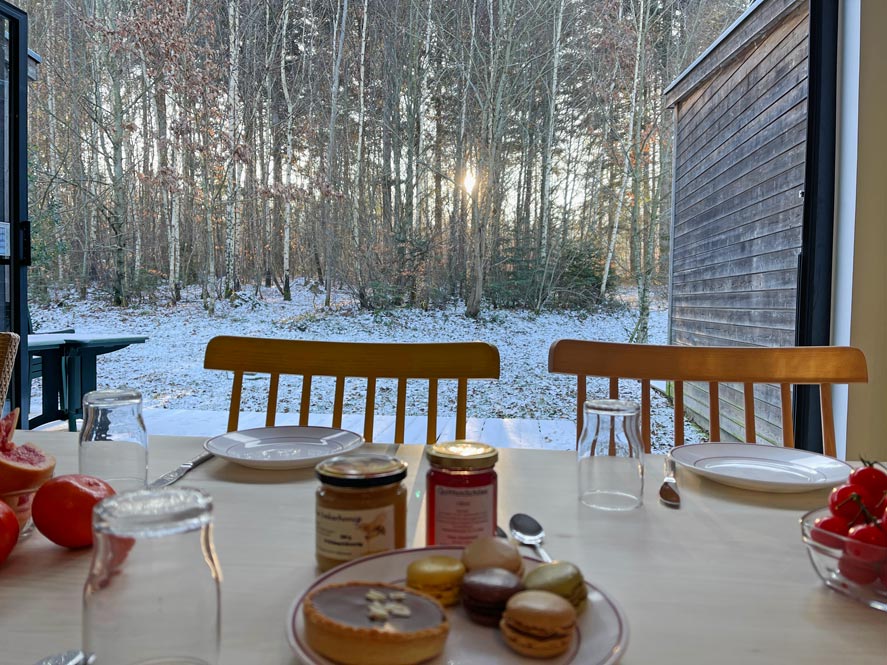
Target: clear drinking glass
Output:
[
  {"x": 152, "y": 595},
  {"x": 611, "y": 455},
  {"x": 113, "y": 440}
]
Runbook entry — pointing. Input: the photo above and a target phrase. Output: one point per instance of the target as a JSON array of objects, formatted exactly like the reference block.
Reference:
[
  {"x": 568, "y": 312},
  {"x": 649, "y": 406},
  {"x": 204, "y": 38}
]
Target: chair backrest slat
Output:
[
  {"x": 678, "y": 413},
  {"x": 431, "y": 429},
  {"x": 646, "y": 430},
  {"x": 369, "y": 413},
  {"x": 461, "y": 407},
  {"x": 234, "y": 410},
  {"x": 748, "y": 392},
  {"x": 828, "y": 418},
  {"x": 581, "y": 396},
  {"x": 714, "y": 411},
  {"x": 400, "y": 411},
  {"x": 339, "y": 401},
  {"x": 783, "y": 366},
  {"x": 271, "y": 411},
  {"x": 305, "y": 402},
  {"x": 785, "y": 400}
]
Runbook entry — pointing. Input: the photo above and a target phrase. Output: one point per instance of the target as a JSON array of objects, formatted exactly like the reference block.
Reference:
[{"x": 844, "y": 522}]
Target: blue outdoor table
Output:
[{"x": 69, "y": 370}]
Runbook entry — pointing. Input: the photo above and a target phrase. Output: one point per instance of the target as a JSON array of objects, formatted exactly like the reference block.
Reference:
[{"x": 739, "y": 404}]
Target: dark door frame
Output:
[
  {"x": 814, "y": 306},
  {"x": 20, "y": 226}
]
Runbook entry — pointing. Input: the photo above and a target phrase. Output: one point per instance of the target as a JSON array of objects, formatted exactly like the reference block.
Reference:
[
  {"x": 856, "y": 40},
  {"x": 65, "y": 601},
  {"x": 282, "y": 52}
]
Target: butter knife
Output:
[
  {"x": 179, "y": 471},
  {"x": 668, "y": 491}
]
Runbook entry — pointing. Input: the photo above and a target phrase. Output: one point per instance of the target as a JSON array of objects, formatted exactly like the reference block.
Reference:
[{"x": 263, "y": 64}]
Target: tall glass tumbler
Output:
[
  {"x": 611, "y": 455},
  {"x": 113, "y": 440},
  {"x": 152, "y": 594}
]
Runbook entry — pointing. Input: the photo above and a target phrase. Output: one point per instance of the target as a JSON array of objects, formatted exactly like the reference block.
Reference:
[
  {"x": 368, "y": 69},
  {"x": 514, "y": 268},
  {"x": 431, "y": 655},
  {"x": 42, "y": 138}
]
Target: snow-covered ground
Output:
[{"x": 168, "y": 368}]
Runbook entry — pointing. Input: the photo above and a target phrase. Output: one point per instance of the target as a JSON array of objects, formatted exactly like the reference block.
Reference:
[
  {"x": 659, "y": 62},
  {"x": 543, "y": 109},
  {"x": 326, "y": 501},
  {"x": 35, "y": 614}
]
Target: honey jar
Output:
[
  {"x": 460, "y": 492},
  {"x": 361, "y": 507}
]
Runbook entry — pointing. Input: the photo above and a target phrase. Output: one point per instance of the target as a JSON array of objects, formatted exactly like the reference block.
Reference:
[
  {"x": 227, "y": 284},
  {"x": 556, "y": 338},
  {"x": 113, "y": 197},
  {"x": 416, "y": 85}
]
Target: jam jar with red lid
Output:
[{"x": 461, "y": 490}]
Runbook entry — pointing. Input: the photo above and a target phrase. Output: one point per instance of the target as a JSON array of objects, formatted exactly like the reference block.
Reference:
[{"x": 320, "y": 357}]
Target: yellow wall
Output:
[{"x": 867, "y": 405}]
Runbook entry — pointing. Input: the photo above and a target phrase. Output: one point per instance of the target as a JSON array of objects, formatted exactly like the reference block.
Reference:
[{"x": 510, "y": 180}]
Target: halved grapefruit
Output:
[{"x": 23, "y": 469}]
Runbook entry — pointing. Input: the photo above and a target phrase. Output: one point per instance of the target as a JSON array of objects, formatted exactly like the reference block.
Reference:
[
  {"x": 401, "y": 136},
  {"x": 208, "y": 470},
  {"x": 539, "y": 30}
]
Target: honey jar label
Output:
[
  {"x": 348, "y": 534},
  {"x": 463, "y": 514}
]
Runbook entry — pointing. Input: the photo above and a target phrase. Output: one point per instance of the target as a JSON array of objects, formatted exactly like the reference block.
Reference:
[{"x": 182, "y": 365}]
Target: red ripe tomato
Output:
[
  {"x": 823, "y": 526},
  {"x": 857, "y": 572},
  {"x": 8, "y": 531},
  {"x": 866, "y": 543},
  {"x": 847, "y": 500},
  {"x": 872, "y": 478},
  {"x": 62, "y": 509}
]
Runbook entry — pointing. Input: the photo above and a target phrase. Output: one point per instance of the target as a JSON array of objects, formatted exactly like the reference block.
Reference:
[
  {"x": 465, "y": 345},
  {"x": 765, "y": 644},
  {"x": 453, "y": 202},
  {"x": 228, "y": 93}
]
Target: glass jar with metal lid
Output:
[
  {"x": 361, "y": 507},
  {"x": 460, "y": 492}
]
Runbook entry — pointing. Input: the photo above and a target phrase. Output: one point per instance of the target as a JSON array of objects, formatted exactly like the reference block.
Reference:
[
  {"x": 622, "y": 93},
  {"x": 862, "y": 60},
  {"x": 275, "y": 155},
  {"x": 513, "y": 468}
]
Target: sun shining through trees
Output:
[{"x": 500, "y": 153}]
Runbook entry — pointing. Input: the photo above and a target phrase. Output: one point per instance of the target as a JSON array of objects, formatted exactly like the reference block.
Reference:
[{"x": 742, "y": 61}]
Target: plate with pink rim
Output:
[
  {"x": 761, "y": 467},
  {"x": 601, "y": 635}
]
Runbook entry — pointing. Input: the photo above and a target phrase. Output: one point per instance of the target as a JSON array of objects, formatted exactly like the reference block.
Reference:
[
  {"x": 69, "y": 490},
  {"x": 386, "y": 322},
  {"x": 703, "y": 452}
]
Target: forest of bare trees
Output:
[{"x": 507, "y": 153}]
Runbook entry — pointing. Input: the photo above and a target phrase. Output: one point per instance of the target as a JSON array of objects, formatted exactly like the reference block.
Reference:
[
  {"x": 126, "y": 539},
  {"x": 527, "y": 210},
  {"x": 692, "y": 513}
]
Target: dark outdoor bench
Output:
[{"x": 66, "y": 361}]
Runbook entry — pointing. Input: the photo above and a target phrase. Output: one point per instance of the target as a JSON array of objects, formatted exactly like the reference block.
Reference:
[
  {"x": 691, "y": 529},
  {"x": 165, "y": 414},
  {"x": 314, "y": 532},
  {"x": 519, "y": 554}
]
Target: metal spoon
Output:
[{"x": 527, "y": 531}]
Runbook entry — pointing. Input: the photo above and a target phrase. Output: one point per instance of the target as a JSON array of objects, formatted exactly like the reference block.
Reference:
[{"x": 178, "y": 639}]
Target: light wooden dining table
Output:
[{"x": 725, "y": 579}]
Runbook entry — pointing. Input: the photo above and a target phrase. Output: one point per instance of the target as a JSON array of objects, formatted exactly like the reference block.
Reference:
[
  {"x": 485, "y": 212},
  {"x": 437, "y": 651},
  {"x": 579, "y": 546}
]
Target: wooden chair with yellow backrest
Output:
[
  {"x": 785, "y": 367},
  {"x": 432, "y": 362}
]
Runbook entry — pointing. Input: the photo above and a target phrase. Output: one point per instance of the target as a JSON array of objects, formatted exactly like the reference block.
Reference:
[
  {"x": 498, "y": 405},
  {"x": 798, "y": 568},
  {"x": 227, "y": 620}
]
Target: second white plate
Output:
[
  {"x": 286, "y": 447},
  {"x": 761, "y": 467}
]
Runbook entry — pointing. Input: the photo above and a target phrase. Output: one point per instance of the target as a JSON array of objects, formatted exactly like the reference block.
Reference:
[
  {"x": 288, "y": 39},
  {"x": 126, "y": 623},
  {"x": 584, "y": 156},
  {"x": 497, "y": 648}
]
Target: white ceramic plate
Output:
[
  {"x": 762, "y": 468},
  {"x": 287, "y": 447},
  {"x": 601, "y": 632}
]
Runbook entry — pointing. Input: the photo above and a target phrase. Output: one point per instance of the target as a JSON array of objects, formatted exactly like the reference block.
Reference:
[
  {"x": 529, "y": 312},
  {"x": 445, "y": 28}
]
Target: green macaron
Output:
[{"x": 561, "y": 578}]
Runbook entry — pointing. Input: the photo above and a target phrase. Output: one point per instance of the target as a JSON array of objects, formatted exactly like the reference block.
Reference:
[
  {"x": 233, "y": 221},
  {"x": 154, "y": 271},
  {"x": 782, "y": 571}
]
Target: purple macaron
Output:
[{"x": 485, "y": 592}]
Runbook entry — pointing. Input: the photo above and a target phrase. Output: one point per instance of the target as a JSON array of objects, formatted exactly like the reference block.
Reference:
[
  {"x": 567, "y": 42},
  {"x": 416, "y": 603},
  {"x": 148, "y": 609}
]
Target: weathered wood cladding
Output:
[{"x": 740, "y": 147}]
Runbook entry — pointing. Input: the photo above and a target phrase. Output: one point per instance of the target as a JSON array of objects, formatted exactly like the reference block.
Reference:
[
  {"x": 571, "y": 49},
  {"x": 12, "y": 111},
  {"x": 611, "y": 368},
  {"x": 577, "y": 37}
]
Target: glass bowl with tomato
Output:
[{"x": 847, "y": 540}]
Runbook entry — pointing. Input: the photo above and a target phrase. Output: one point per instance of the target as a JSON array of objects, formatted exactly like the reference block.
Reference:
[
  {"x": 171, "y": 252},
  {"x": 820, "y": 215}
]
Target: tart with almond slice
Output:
[{"x": 374, "y": 623}]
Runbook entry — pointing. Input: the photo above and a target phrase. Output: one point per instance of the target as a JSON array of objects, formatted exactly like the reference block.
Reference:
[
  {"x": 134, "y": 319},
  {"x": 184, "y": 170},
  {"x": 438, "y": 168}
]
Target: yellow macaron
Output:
[{"x": 437, "y": 575}]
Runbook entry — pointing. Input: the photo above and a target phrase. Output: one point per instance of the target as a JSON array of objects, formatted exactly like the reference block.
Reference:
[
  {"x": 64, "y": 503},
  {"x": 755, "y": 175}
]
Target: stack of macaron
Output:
[
  {"x": 536, "y": 612},
  {"x": 494, "y": 568}
]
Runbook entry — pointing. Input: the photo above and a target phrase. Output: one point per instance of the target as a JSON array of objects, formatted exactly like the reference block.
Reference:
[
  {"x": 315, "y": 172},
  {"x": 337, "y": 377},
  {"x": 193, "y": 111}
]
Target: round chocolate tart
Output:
[{"x": 373, "y": 623}]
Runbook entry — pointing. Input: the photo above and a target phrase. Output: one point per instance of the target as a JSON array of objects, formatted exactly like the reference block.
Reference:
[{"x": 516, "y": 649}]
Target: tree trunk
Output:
[
  {"x": 231, "y": 191},
  {"x": 626, "y": 165}
]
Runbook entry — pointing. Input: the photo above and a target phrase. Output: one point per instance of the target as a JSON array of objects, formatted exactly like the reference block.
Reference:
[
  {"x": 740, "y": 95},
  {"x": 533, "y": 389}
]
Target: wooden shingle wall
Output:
[{"x": 740, "y": 130}]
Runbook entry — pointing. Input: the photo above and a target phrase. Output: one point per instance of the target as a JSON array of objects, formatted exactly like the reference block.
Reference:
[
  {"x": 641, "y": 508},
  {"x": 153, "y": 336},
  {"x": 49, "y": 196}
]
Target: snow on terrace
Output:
[{"x": 168, "y": 368}]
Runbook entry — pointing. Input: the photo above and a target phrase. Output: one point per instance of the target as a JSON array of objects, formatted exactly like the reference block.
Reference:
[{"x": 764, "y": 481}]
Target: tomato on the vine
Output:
[
  {"x": 833, "y": 524},
  {"x": 871, "y": 477},
  {"x": 855, "y": 571},
  {"x": 866, "y": 543},
  {"x": 847, "y": 501},
  {"x": 9, "y": 530}
]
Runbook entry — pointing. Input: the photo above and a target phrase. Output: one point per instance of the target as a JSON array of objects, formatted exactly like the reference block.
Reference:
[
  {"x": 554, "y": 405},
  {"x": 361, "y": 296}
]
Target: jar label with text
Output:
[
  {"x": 463, "y": 514},
  {"x": 349, "y": 534}
]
